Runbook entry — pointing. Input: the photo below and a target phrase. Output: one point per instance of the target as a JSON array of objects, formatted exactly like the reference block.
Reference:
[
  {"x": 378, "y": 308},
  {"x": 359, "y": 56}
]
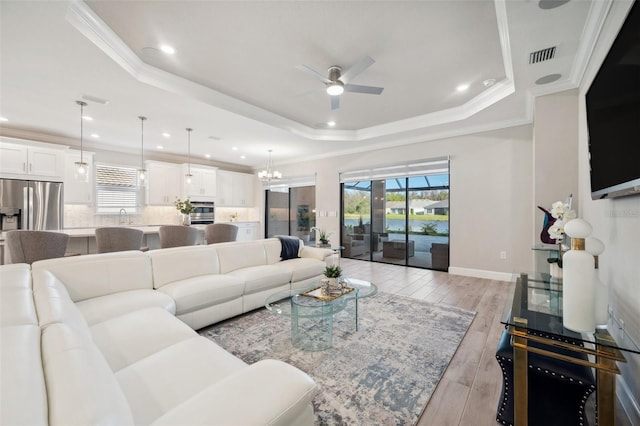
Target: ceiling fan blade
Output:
[
  {"x": 314, "y": 73},
  {"x": 370, "y": 90},
  {"x": 349, "y": 74},
  {"x": 335, "y": 102}
]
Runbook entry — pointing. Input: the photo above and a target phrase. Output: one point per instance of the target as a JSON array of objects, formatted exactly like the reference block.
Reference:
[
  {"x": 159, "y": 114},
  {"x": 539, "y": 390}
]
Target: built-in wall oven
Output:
[{"x": 204, "y": 214}]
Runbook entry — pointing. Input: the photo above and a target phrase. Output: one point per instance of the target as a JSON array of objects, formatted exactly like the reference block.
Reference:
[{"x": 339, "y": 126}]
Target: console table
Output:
[{"x": 534, "y": 315}]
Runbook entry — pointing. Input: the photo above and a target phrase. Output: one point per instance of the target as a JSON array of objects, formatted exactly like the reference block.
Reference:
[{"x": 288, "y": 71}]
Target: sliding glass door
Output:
[{"x": 400, "y": 220}]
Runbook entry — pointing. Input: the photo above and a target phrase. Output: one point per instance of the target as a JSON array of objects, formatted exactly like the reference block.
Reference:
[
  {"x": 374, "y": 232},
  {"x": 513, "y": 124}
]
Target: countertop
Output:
[{"x": 146, "y": 229}]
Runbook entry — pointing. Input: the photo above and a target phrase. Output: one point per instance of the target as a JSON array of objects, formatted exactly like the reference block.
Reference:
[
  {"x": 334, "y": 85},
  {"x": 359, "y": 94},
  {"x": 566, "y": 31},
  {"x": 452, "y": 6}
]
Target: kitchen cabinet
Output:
[
  {"x": 247, "y": 231},
  {"x": 234, "y": 189},
  {"x": 77, "y": 191},
  {"x": 203, "y": 183},
  {"x": 20, "y": 161},
  {"x": 163, "y": 183}
]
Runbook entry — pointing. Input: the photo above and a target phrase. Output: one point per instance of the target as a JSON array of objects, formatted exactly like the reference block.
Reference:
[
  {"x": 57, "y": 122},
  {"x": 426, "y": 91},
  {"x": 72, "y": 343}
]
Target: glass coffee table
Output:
[{"x": 312, "y": 317}]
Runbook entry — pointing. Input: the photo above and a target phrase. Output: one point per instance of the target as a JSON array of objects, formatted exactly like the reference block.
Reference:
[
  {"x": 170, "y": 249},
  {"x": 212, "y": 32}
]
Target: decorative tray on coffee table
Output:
[{"x": 317, "y": 293}]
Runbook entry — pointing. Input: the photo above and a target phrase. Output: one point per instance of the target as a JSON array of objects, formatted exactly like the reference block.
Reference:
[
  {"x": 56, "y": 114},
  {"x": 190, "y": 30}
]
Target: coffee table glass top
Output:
[{"x": 281, "y": 302}]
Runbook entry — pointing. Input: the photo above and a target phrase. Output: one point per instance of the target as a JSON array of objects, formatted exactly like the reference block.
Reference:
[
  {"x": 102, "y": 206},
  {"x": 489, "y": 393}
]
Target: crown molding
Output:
[{"x": 98, "y": 32}]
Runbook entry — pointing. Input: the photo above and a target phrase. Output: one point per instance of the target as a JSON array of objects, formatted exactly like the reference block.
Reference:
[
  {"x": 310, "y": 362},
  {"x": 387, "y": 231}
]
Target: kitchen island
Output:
[{"x": 83, "y": 240}]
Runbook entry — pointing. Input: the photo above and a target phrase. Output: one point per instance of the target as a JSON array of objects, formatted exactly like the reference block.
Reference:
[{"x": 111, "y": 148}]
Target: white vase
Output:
[
  {"x": 578, "y": 289},
  {"x": 186, "y": 219}
]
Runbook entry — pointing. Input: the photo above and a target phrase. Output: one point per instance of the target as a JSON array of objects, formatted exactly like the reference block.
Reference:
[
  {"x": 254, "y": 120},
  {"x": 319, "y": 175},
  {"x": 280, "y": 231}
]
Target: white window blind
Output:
[
  {"x": 116, "y": 188},
  {"x": 433, "y": 166}
]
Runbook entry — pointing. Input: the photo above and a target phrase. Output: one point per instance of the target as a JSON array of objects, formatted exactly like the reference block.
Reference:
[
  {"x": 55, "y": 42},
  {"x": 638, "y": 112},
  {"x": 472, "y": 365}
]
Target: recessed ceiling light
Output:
[
  {"x": 166, "y": 135},
  {"x": 243, "y": 156},
  {"x": 215, "y": 138},
  {"x": 489, "y": 82},
  {"x": 235, "y": 148},
  {"x": 331, "y": 123},
  {"x": 86, "y": 117},
  {"x": 160, "y": 147},
  {"x": 4, "y": 119},
  {"x": 167, "y": 49},
  {"x": 207, "y": 155},
  {"x": 462, "y": 87},
  {"x": 95, "y": 135}
]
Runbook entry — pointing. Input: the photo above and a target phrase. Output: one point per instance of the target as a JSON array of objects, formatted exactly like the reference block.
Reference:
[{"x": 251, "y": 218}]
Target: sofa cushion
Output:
[
  {"x": 129, "y": 338},
  {"x": 258, "y": 278},
  {"x": 102, "y": 308},
  {"x": 179, "y": 263},
  {"x": 95, "y": 275},
  {"x": 158, "y": 383},
  {"x": 22, "y": 386},
  {"x": 248, "y": 398},
  {"x": 81, "y": 388},
  {"x": 200, "y": 292},
  {"x": 54, "y": 304},
  {"x": 234, "y": 255},
  {"x": 303, "y": 268},
  {"x": 16, "y": 296}
]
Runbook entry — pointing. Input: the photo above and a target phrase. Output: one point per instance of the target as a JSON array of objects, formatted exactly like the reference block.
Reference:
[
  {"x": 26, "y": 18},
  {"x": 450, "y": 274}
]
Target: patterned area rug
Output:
[{"x": 383, "y": 374}]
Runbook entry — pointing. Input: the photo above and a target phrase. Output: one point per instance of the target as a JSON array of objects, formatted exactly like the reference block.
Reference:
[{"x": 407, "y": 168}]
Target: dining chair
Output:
[
  {"x": 177, "y": 236},
  {"x": 112, "y": 238},
  {"x": 220, "y": 233},
  {"x": 27, "y": 246}
]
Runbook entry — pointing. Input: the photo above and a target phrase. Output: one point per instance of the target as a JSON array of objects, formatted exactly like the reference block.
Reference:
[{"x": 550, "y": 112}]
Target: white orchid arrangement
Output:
[{"x": 563, "y": 213}]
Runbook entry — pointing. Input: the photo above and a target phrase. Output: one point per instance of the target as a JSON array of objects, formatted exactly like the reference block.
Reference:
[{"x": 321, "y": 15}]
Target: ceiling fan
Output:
[{"x": 338, "y": 82}]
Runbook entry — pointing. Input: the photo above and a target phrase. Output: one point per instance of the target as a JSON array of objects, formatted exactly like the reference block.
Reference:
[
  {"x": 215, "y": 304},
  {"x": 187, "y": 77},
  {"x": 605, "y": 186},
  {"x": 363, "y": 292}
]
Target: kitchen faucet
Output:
[{"x": 123, "y": 219}]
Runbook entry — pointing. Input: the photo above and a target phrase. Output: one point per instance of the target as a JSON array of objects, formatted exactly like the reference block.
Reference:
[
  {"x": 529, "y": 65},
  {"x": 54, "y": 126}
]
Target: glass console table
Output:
[{"x": 534, "y": 314}]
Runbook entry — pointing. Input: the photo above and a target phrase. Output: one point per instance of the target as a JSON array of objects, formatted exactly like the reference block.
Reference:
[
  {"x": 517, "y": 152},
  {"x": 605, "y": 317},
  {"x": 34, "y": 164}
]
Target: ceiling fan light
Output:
[{"x": 335, "y": 89}]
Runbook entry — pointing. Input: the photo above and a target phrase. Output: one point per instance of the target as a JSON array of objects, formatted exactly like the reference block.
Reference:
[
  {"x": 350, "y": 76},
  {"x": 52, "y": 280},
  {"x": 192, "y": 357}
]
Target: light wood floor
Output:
[{"x": 468, "y": 392}]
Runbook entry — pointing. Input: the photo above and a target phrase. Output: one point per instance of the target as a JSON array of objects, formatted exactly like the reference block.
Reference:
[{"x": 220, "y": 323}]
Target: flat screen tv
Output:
[{"x": 613, "y": 115}]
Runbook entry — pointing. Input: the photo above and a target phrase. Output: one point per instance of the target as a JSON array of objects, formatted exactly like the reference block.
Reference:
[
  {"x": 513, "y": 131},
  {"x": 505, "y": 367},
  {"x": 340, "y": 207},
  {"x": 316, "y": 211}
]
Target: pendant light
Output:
[
  {"x": 188, "y": 175},
  {"x": 142, "y": 172},
  {"x": 269, "y": 175},
  {"x": 82, "y": 168}
]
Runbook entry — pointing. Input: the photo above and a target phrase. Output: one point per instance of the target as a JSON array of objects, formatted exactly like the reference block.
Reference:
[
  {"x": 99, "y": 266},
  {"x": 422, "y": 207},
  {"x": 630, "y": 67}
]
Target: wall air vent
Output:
[{"x": 542, "y": 55}]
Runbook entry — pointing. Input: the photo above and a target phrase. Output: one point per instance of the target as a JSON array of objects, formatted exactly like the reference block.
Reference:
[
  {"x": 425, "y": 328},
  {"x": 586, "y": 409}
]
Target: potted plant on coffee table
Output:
[{"x": 331, "y": 285}]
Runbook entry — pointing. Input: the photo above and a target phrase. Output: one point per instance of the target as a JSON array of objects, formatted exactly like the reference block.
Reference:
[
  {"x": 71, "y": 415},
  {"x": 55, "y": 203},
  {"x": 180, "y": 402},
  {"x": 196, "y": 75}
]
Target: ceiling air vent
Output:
[{"x": 542, "y": 55}]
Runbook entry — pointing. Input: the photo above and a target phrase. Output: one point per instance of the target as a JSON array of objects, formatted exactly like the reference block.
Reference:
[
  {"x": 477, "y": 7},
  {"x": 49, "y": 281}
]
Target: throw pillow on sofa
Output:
[{"x": 290, "y": 247}]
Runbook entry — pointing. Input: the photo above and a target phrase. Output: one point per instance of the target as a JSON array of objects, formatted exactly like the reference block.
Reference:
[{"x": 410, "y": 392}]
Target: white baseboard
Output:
[
  {"x": 480, "y": 273},
  {"x": 629, "y": 404}
]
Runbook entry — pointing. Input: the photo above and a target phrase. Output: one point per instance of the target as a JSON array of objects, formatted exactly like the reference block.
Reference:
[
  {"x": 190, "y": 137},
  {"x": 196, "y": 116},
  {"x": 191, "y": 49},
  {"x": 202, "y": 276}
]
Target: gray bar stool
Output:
[
  {"x": 177, "y": 236},
  {"x": 220, "y": 233},
  {"x": 30, "y": 246},
  {"x": 110, "y": 239}
]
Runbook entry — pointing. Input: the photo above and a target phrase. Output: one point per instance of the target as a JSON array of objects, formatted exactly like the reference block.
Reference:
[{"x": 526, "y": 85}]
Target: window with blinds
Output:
[{"x": 116, "y": 188}]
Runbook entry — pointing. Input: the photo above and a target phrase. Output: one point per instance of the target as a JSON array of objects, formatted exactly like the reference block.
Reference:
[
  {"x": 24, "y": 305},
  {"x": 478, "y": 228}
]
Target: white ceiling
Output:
[{"x": 233, "y": 78}]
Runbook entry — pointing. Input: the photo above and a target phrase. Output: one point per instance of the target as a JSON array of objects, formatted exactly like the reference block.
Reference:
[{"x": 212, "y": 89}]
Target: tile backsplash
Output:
[{"x": 84, "y": 216}]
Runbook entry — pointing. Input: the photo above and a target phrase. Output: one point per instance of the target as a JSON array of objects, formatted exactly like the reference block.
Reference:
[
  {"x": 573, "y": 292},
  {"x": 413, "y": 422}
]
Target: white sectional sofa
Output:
[{"x": 98, "y": 339}]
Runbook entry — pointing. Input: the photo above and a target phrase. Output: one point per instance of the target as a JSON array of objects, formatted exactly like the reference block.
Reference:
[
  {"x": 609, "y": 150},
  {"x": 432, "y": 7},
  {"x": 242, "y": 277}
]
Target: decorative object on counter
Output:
[
  {"x": 269, "y": 174},
  {"x": 185, "y": 207},
  {"x": 578, "y": 298},
  {"x": 553, "y": 231},
  {"x": 82, "y": 168},
  {"x": 331, "y": 284},
  {"x": 188, "y": 176},
  {"x": 234, "y": 217},
  {"x": 601, "y": 308},
  {"x": 142, "y": 172}
]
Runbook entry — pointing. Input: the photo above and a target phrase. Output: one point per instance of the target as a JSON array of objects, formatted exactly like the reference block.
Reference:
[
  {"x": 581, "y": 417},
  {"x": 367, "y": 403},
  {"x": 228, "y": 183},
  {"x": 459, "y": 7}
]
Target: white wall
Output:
[
  {"x": 617, "y": 223},
  {"x": 491, "y": 195}
]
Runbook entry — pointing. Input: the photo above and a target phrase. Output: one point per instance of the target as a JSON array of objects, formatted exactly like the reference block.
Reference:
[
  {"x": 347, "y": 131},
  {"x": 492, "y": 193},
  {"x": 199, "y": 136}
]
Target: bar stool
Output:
[
  {"x": 220, "y": 233},
  {"x": 110, "y": 239},
  {"x": 30, "y": 246},
  {"x": 177, "y": 236}
]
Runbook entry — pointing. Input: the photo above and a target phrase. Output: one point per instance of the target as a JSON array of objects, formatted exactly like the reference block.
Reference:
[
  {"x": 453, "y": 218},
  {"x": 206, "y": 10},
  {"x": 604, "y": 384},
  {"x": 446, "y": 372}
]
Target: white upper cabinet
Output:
[
  {"x": 235, "y": 189},
  {"x": 163, "y": 183},
  {"x": 20, "y": 161},
  {"x": 203, "y": 183},
  {"x": 77, "y": 191}
]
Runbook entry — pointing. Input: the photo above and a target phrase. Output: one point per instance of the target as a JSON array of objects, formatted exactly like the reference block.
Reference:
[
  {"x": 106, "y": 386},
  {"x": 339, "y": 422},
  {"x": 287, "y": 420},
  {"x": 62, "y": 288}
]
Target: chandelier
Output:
[{"x": 269, "y": 175}]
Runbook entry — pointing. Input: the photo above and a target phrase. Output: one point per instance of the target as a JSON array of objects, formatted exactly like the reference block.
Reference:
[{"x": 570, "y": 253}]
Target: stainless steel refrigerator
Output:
[{"x": 28, "y": 204}]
